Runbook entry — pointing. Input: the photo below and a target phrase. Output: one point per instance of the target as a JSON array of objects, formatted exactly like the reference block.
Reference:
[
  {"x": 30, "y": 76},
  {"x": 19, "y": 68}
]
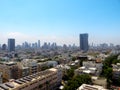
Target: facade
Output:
[
  {"x": 31, "y": 64},
  {"x": 40, "y": 65},
  {"x": 9, "y": 70},
  {"x": 84, "y": 42},
  {"x": 1, "y": 77},
  {"x": 23, "y": 70},
  {"x": 116, "y": 71},
  {"x": 33, "y": 67},
  {"x": 44, "y": 80},
  {"x": 11, "y": 45},
  {"x": 90, "y": 87}
]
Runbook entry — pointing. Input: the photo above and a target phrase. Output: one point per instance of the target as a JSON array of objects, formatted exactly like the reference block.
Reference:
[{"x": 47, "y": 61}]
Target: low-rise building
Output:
[
  {"x": 92, "y": 66},
  {"x": 99, "y": 81},
  {"x": 23, "y": 70},
  {"x": 32, "y": 64},
  {"x": 1, "y": 78},
  {"x": 93, "y": 63},
  {"x": 40, "y": 65},
  {"x": 64, "y": 68},
  {"x": 9, "y": 70},
  {"x": 116, "y": 70},
  {"x": 44, "y": 80},
  {"x": 84, "y": 70},
  {"x": 90, "y": 87},
  {"x": 52, "y": 63},
  {"x": 118, "y": 57}
]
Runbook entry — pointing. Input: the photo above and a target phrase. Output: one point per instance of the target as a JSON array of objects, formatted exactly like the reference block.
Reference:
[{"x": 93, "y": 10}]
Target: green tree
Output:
[
  {"x": 73, "y": 58},
  {"x": 77, "y": 81},
  {"x": 108, "y": 73},
  {"x": 107, "y": 69},
  {"x": 69, "y": 74}
]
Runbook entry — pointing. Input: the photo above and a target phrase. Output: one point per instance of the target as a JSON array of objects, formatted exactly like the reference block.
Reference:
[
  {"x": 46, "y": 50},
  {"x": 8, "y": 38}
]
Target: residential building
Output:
[
  {"x": 11, "y": 45},
  {"x": 52, "y": 63},
  {"x": 32, "y": 64},
  {"x": 118, "y": 57},
  {"x": 41, "y": 65},
  {"x": 44, "y": 80},
  {"x": 93, "y": 67},
  {"x": 33, "y": 67},
  {"x": 84, "y": 42},
  {"x": 64, "y": 68},
  {"x": 9, "y": 70},
  {"x": 94, "y": 64},
  {"x": 84, "y": 70},
  {"x": 99, "y": 81},
  {"x": 116, "y": 71},
  {"x": 1, "y": 78},
  {"x": 90, "y": 87},
  {"x": 23, "y": 70}
]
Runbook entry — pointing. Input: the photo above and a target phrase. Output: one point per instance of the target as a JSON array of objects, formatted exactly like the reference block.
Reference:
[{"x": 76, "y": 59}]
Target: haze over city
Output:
[{"x": 60, "y": 21}]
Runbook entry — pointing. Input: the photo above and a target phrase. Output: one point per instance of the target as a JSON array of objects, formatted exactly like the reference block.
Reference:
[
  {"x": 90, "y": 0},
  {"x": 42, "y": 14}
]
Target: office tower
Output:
[
  {"x": 11, "y": 45},
  {"x": 38, "y": 43},
  {"x": 26, "y": 45},
  {"x": 84, "y": 42},
  {"x": 45, "y": 45}
]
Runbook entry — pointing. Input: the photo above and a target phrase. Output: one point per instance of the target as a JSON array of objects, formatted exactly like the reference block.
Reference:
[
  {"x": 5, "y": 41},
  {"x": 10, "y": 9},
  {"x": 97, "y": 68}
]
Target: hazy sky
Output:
[{"x": 60, "y": 21}]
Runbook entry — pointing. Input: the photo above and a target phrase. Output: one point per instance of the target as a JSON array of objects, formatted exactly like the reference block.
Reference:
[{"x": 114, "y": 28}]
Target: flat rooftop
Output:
[
  {"x": 12, "y": 85},
  {"x": 90, "y": 87}
]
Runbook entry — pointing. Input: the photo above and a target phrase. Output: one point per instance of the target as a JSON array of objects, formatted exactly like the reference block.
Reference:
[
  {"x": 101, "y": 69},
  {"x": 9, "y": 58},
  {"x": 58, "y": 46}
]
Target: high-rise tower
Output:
[
  {"x": 11, "y": 45},
  {"x": 38, "y": 43},
  {"x": 84, "y": 42}
]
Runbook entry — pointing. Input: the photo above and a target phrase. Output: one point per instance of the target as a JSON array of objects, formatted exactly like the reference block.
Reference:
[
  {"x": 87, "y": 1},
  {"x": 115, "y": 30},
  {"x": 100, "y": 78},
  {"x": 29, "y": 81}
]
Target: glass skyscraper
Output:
[
  {"x": 84, "y": 42},
  {"x": 11, "y": 45}
]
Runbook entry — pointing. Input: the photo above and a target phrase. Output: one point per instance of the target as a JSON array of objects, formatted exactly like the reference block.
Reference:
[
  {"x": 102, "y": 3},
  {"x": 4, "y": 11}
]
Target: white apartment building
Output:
[
  {"x": 116, "y": 70},
  {"x": 94, "y": 66},
  {"x": 92, "y": 63},
  {"x": 90, "y": 87},
  {"x": 32, "y": 64}
]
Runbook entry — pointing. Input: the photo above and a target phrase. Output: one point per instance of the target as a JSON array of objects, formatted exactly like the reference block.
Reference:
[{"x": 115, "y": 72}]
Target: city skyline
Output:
[{"x": 60, "y": 21}]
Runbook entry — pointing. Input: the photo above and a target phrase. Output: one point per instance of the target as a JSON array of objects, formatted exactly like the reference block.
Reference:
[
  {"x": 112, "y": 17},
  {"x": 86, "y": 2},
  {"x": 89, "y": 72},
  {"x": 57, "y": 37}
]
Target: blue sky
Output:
[{"x": 60, "y": 21}]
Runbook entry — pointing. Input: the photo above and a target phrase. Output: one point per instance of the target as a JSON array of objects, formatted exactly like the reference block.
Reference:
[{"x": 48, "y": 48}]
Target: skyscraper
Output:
[
  {"x": 84, "y": 42},
  {"x": 38, "y": 43},
  {"x": 11, "y": 45}
]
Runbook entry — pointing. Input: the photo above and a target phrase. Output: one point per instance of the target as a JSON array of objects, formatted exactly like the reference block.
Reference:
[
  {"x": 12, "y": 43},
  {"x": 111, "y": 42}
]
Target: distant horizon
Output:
[{"x": 60, "y": 21}]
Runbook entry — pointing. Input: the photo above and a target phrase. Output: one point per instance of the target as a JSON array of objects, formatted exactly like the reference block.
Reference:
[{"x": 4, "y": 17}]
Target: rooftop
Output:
[
  {"x": 27, "y": 80},
  {"x": 90, "y": 87},
  {"x": 9, "y": 63}
]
